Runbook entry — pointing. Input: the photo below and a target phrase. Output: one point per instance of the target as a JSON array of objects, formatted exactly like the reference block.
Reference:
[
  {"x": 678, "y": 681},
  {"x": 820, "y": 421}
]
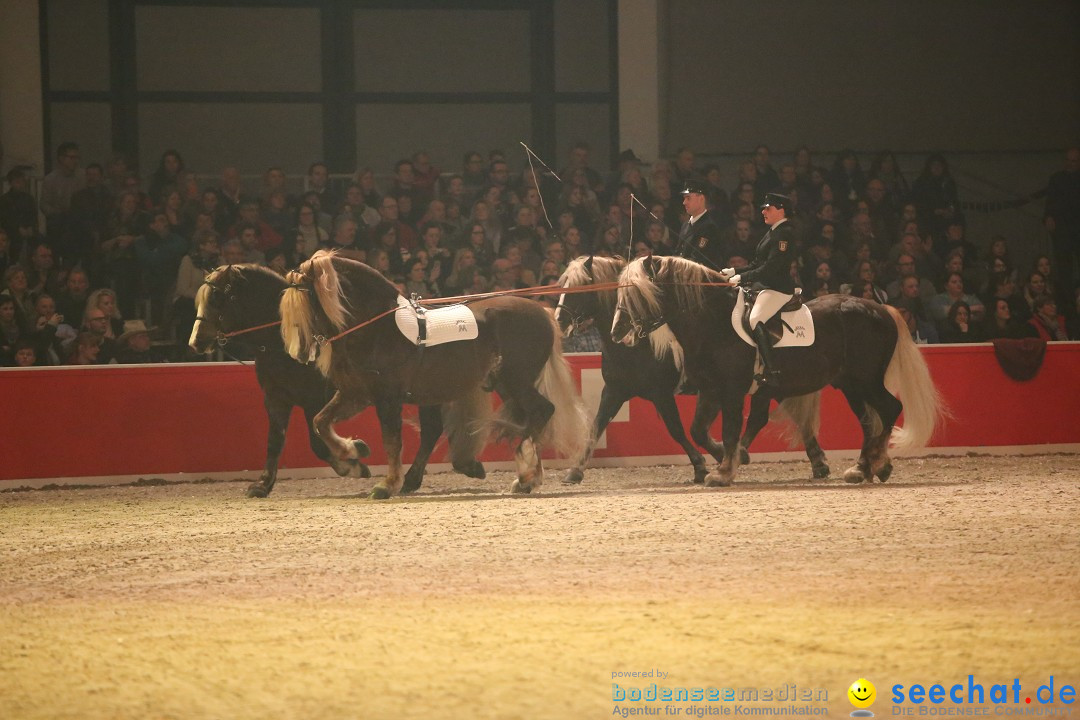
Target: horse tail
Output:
[
  {"x": 568, "y": 429},
  {"x": 468, "y": 425},
  {"x": 909, "y": 377},
  {"x": 804, "y": 415},
  {"x": 297, "y": 317}
]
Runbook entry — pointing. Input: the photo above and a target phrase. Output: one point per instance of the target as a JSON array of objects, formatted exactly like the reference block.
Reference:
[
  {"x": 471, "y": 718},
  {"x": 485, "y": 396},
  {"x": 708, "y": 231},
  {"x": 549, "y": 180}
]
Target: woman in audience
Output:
[
  {"x": 309, "y": 236},
  {"x": 194, "y": 267},
  {"x": 1002, "y": 324},
  {"x": 105, "y": 300},
  {"x": 959, "y": 327},
  {"x": 940, "y": 304}
]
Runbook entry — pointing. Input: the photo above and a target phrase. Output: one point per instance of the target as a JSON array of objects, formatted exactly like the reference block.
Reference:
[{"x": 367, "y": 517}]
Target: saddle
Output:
[
  {"x": 425, "y": 327},
  {"x": 792, "y": 326}
]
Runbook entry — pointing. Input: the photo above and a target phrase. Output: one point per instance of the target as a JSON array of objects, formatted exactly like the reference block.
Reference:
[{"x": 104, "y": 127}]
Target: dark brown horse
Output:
[
  {"x": 860, "y": 347},
  {"x": 653, "y": 371},
  {"x": 516, "y": 353},
  {"x": 245, "y": 298}
]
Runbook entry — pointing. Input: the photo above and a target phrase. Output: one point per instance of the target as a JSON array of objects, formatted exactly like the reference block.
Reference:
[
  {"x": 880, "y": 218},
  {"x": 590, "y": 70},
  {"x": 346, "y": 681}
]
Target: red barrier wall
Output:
[{"x": 67, "y": 423}]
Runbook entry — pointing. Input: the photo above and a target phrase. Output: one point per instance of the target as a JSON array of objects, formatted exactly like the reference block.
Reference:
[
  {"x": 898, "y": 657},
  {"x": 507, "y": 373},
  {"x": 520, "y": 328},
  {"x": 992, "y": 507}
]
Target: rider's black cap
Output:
[
  {"x": 776, "y": 200},
  {"x": 695, "y": 186}
]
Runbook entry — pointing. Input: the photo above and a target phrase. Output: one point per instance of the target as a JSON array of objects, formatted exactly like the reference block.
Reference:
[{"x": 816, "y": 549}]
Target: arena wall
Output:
[{"x": 188, "y": 421}]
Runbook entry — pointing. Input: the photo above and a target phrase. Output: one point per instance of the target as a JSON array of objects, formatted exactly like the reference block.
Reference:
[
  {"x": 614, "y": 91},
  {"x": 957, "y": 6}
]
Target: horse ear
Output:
[
  {"x": 588, "y": 265},
  {"x": 650, "y": 266}
]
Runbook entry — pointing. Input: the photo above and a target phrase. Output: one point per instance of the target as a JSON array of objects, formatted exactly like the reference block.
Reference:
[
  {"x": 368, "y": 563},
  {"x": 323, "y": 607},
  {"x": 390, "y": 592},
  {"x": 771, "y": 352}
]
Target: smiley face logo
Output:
[{"x": 862, "y": 693}]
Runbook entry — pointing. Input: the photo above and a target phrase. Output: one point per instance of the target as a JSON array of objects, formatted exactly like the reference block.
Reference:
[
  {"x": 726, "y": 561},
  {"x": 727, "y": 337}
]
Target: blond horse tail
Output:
[
  {"x": 908, "y": 377},
  {"x": 568, "y": 429}
]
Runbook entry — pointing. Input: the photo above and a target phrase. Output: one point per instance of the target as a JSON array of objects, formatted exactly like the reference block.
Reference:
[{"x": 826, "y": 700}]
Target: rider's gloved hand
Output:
[
  {"x": 728, "y": 273},
  {"x": 735, "y": 279}
]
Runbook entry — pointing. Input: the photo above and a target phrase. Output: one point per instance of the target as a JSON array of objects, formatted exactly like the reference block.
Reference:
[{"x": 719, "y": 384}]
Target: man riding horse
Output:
[
  {"x": 699, "y": 238},
  {"x": 770, "y": 275}
]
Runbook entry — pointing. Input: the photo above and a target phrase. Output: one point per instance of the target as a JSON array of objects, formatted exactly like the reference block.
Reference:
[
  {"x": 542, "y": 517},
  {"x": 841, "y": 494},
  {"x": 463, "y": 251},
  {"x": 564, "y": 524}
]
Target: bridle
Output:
[{"x": 222, "y": 337}]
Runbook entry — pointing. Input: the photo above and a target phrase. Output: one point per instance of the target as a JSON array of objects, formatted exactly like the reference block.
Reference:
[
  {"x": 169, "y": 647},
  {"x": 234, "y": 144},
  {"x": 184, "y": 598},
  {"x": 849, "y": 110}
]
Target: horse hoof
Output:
[
  {"x": 700, "y": 473},
  {"x": 411, "y": 484},
  {"x": 884, "y": 473},
  {"x": 362, "y": 449},
  {"x": 717, "y": 479},
  {"x": 574, "y": 477},
  {"x": 744, "y": 456},
  {"x": 365, "y": 471},
  {"x": 258, "y": 490},
  {"x": 474, "y": 469},
  {"x": 854, "y": 475},
  {"x": 520, "y": 488},
  {"x": 821, "y": 472},
  {"x": 379, "y": 493}
]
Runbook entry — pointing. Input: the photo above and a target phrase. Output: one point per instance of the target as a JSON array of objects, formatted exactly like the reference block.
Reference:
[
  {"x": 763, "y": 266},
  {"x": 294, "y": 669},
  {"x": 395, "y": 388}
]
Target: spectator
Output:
[
  {"x": 959, "y": 327},
  {"x": 365, "y": 178},
  {"x": 309, "y": 236},
  {"x": 118, "y": 265},
  {"x": 106, "y": 301},
  {"x": 477, "y": 241},
  {"x": 405, "y": 235},
  {"x": 159, "y": 253},
  {"x": 1002, "y": 287},
  {"x": 425, "y": 177},
  {"x": 168, "y": 174},
  {"x": 847, "y": 181},
  {"x": 318, "y": 182},
  {"x": 1046, "y": 320},
  {"x": 885, "y": 168},
  {"x": 56, "y": 191},
  {"x": 17, "y": 288},
  {"x": 1034, "y": 287},
  {"x": 935, "y": 195},
  {"x": 266, "y": 236},
  {"x": 18, "y": 208},
  {"x": 416, "y": 279},
  {"x": 233, "y": 253},
  {"x": 248, "y": 235},
  {"x": 86, "y": 350},
  {"x": 505, "y": 276},
  {"x": 231, "y": 194},
  {"x": 277, "y": 213},
  {"x": 386, "y": 239},
  {"x": 365, "y": 216},
  {"x": 578, "y": 161},
  {"x": 1002, "y": 323},
  {"x": 134, "y": 345},
  {"x": 71, "y": 300},
  {"x": 41, "y": 272},
  {"x": 1062, "y": 220},
  {"x": 194, "y": 267},
  {"x": 12, "y": 329},
  {"x": 461, "y": 272},
  {"x": 865, "y": 277},
  {"x": 24, "y": 354},
  {"x": 954, "y": 291}
]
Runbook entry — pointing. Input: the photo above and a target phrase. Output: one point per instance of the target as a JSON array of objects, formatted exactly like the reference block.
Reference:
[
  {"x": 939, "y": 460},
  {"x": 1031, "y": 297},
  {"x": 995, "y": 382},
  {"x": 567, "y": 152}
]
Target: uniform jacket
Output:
[
  {"x": 771, "y": 267},
  {"x": 701, "y": 242}
]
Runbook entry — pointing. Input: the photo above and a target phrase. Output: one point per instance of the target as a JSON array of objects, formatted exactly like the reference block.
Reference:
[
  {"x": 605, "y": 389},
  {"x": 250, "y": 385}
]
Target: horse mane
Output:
[
  {"x": 684, "y": 278},
  {"x": 331, "y": 275},
  {"x": 604, "y": 270}
]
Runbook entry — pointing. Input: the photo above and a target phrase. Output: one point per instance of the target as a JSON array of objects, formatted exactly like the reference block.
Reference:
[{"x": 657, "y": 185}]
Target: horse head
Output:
[
  {"x": 638, "y": 309},
  {"x": 234, "y": 300},
  {"x": 578, "y": 311}
]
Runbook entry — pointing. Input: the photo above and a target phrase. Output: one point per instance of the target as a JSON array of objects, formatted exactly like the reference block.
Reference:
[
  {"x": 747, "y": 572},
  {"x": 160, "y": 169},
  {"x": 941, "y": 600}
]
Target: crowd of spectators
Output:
[{"x": 114, "y": 275}]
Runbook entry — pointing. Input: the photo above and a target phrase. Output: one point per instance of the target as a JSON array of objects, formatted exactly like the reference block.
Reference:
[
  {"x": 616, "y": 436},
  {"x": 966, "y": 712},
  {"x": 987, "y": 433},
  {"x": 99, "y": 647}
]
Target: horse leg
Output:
[
  {"x": 704, "y": 414},
  {"x": 611, "y": 401},
  {"x": 344, "y": 468},
  {"x": 277, "y": 412},
  {"x": 668, "y": 410},
  {"x": 731, "y": 408},
  {"x": 431, "y": 428},
  {"x": 755, "y": 421},
  {"x": 861, "y": 470},
  {"x": 530, "y": 469},
  {"x": 816, "y": 455},
  {"x": 390, "y": 421},
  {"x": 344, "y": 455},
  {"x": 888, "y": 408}
]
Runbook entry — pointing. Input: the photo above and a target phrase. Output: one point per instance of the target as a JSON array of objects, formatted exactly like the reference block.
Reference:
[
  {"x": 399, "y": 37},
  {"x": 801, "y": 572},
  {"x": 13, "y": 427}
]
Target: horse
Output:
[
  {"x": 653, "y": 374},
  {"x": 516, "y": 352},
  {"x": 861, "y": 348},
  {"x": 241, "y": 302}
]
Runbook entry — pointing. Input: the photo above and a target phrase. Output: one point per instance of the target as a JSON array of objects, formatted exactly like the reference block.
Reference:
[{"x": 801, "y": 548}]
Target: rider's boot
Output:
[{"x": 770, "y": 375}]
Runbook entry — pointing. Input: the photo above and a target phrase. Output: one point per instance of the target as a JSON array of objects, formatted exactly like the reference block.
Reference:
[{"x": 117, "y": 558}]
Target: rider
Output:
[
  {"x": 699, "y": 238},
  {"x": 770, "y": 274}
]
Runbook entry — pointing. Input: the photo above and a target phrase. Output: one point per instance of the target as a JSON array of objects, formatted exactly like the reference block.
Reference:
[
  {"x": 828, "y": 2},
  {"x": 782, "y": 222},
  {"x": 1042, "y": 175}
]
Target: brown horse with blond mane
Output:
[{"x": 516, "y": 353}]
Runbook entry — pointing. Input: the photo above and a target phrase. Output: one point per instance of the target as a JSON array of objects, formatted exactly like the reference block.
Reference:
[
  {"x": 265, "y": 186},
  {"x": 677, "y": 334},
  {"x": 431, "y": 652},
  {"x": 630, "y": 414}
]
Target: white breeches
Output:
[{"x": 767, "y": 304}]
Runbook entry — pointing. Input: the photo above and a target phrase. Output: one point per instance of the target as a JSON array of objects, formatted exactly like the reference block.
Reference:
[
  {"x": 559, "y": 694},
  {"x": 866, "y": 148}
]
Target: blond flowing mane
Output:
[
  {"x": 604, "y": 270},
  {"x": 682, "y": 277}
]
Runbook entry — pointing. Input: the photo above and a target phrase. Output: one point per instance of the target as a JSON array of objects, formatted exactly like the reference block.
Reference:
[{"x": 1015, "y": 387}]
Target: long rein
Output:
[{"x": 223, "y": 338}]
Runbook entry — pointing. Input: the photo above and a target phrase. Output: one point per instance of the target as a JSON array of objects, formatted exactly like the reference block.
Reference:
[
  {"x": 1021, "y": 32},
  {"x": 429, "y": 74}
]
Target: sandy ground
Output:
[{"x": 191, "y": 601}]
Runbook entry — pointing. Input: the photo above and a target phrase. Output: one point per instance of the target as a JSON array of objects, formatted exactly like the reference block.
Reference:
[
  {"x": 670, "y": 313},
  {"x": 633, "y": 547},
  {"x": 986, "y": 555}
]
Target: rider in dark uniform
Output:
[
  {"x": 770, "y": 275},
  {"x": 699, "y": 238}
]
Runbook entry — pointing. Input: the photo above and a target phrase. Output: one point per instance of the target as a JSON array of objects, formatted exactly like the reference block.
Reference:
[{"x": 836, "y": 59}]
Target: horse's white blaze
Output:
[
  {"x": 630, "y": 338},
  {"x": 559, "y": 307}
]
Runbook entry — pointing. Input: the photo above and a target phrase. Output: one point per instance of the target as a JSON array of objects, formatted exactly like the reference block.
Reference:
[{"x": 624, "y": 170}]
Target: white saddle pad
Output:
[
  {"x": 800, "y": 321},
  {"x": 448, "y": 324}
]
